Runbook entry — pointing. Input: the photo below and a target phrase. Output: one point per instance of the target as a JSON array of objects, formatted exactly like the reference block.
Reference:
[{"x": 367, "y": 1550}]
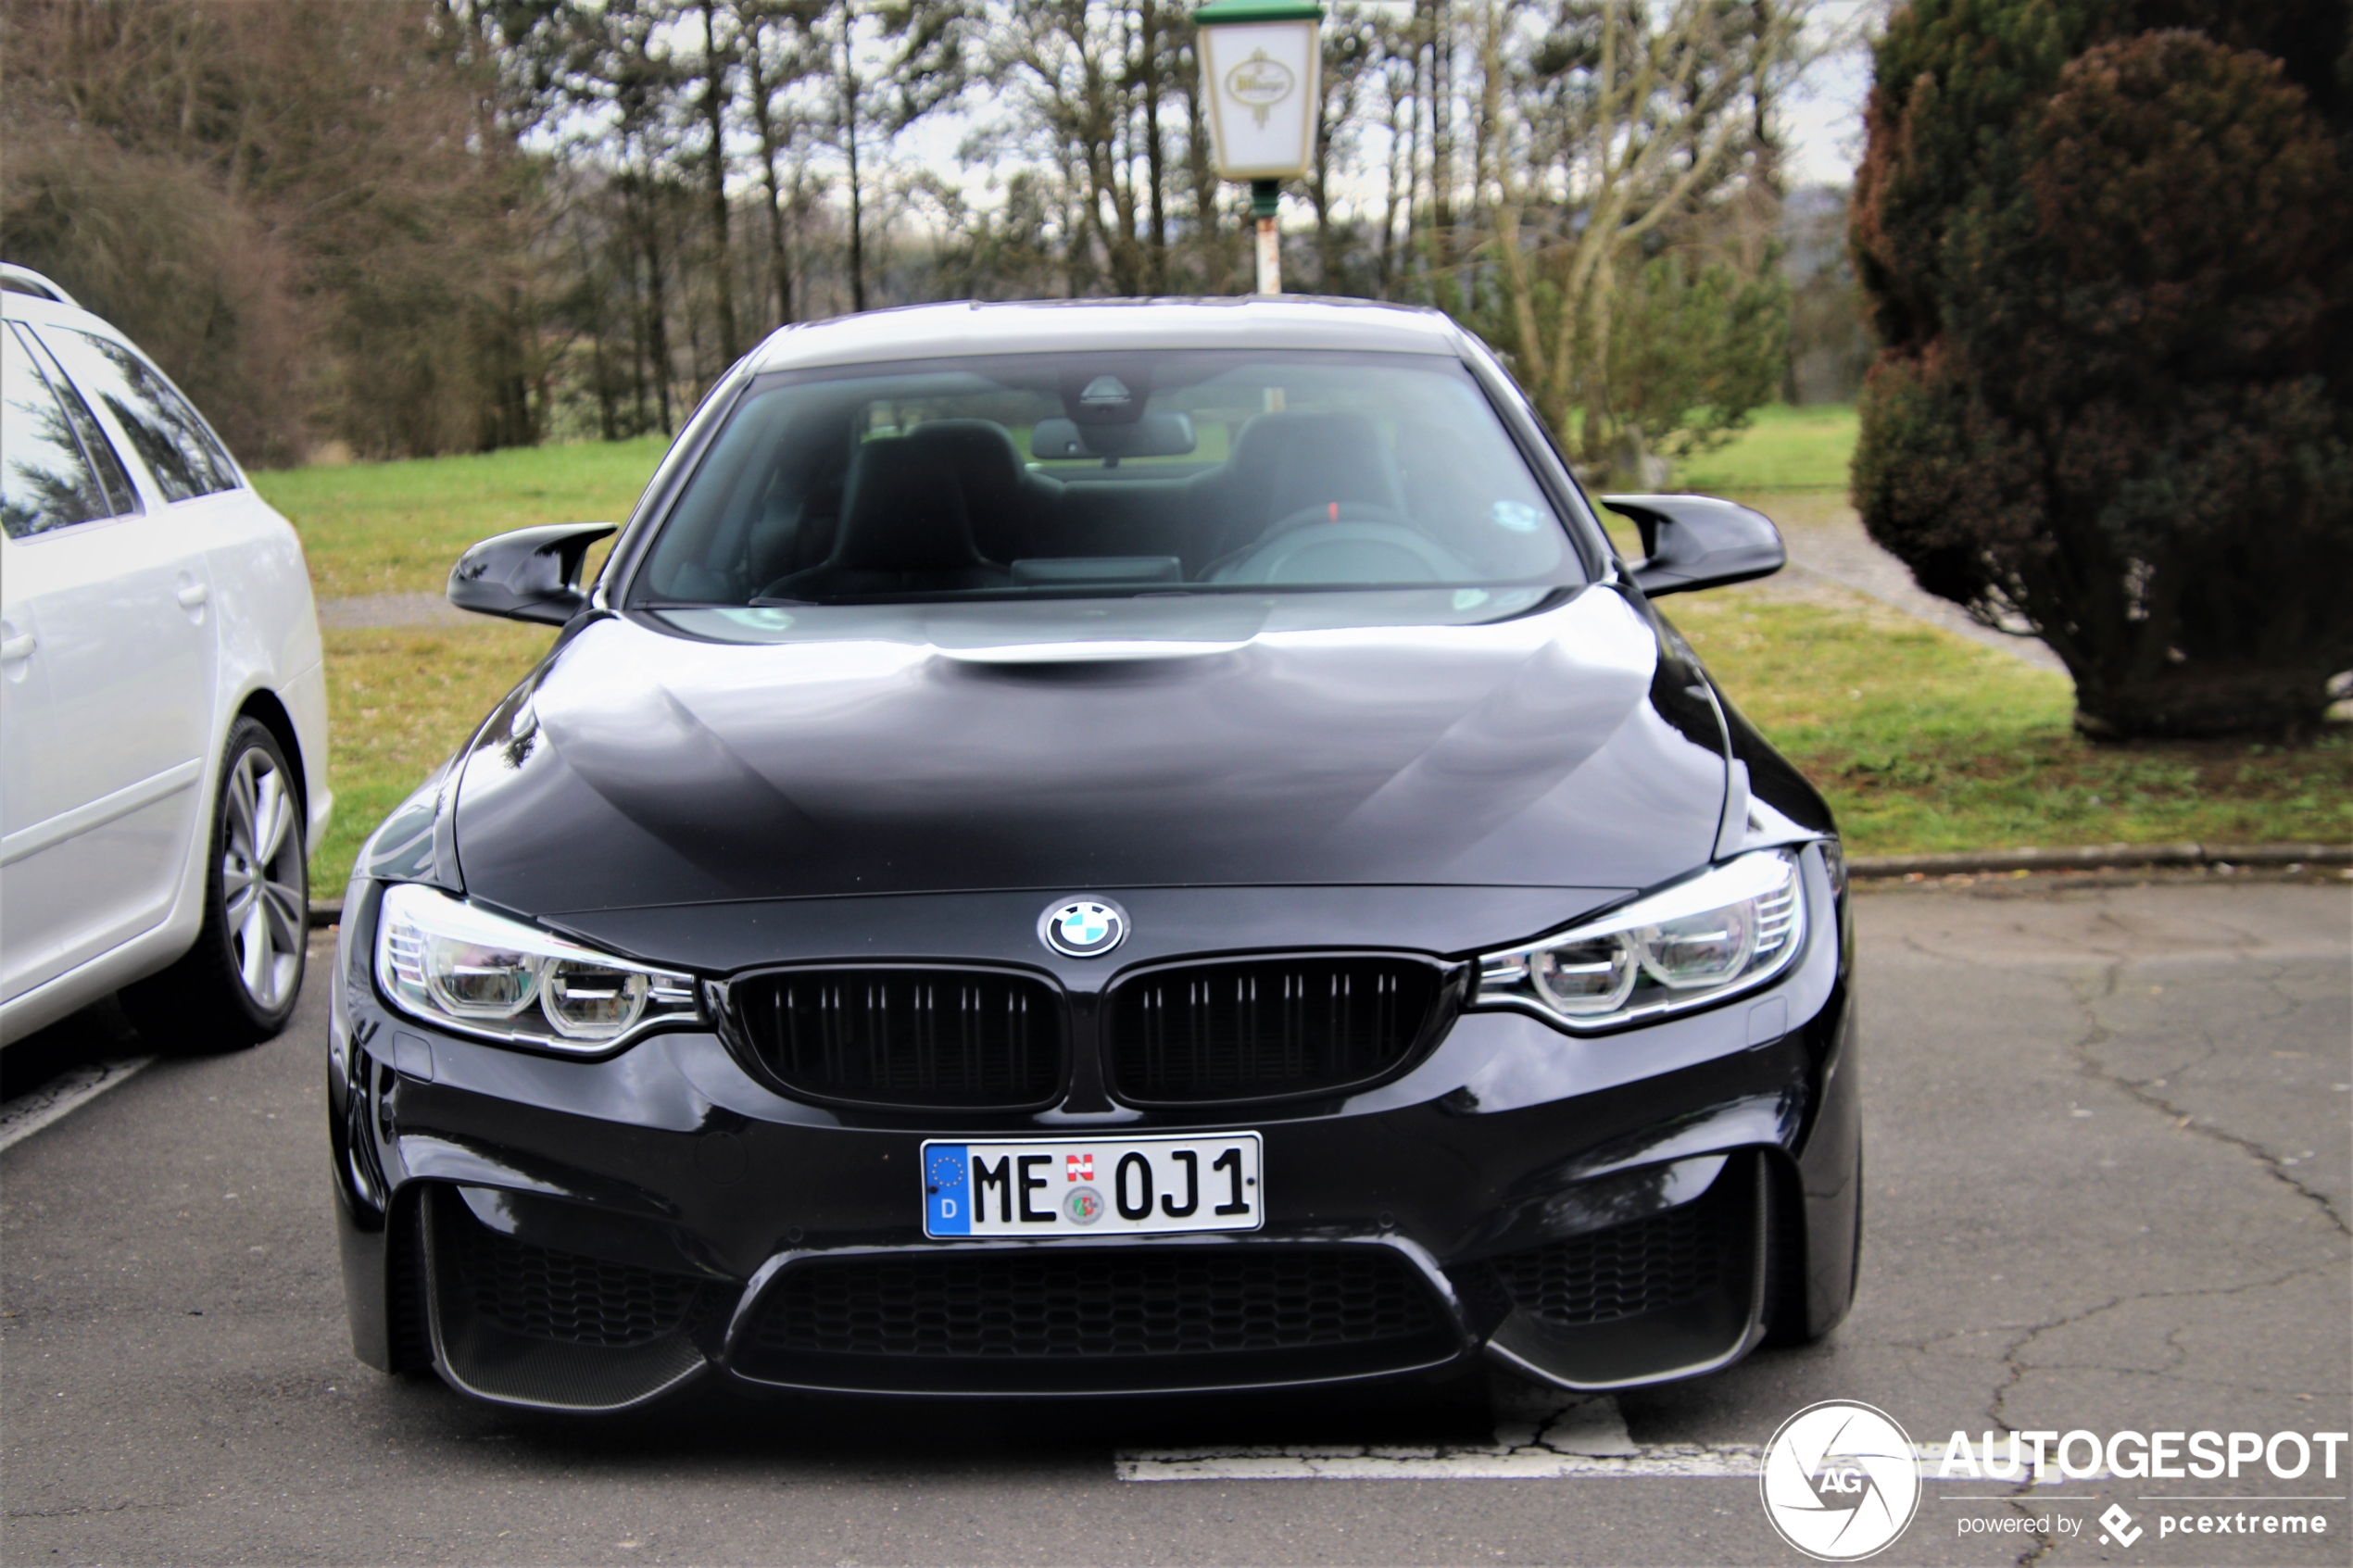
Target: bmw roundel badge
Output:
[{"x": 1084, "y": 928}]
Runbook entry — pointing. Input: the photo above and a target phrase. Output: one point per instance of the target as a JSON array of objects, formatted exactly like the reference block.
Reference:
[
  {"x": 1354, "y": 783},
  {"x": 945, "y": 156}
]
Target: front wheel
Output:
[{"x": 237, "y": 985}]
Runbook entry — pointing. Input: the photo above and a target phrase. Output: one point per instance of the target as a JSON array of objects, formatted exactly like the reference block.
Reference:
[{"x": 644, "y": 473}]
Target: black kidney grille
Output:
[
  {"x": 1265, "y": 1027},
  {"x": 959, "y": 1038},
  {"x": 542, "y": 1294},
  {"x": 1095, "y": 1303},
  {"x": 1669, "y": 1260}
]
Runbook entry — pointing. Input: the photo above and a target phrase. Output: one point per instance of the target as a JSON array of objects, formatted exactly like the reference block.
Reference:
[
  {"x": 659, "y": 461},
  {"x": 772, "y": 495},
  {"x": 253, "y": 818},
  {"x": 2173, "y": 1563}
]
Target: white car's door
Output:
[
  {"x": 118, "y": 594},
  {"x": 27, "y": 936}
]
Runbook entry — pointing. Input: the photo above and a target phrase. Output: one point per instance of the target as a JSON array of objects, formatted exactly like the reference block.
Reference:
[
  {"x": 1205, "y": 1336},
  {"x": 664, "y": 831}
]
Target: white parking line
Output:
[
  {"x": 27, "y": 1113},
  {"x": 1552, "y": 1441},
  {"x": 1538, "y": 1437}
]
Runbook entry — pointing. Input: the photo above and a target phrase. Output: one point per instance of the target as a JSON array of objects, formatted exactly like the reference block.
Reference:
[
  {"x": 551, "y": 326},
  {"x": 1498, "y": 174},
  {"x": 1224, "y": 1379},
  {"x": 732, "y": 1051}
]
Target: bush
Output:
[
  {"x": 2112, "y": 268},
  {"x": 193, "y": 278},
  {"x": 306, "y": 212}
]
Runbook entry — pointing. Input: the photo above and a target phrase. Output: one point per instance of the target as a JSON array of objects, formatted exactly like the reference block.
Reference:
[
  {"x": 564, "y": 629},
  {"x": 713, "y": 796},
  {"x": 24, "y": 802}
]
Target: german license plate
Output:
[{"x": 1121, "y": 1187}]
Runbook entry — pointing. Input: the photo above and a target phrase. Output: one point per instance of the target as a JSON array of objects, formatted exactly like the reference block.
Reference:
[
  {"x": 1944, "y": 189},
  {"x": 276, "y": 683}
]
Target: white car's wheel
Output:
[{"x": 237, "y": 985}]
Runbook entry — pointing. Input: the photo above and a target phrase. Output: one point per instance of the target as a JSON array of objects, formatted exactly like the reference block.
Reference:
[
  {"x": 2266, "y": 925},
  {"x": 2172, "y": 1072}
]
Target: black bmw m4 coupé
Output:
[{"x": 1101, "y": 848}]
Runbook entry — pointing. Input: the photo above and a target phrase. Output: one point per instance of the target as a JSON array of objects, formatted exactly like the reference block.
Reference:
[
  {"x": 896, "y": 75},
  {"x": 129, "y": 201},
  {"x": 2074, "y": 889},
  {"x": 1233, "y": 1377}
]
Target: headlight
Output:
[
  {"x": 1729, "y": 929},
  {"x": 466, "y": 968}
]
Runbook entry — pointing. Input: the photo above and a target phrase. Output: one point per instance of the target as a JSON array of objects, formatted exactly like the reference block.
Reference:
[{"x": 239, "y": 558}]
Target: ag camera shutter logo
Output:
[{"x": 1840, "y": 1481}]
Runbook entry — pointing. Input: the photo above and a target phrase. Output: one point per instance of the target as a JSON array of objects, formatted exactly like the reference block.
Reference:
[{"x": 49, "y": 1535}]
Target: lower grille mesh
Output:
[
  {"x": 1096, "y": 1304},
  {"x": 1651, "y": 1265},
  {"x": 563, "y": 1297}
]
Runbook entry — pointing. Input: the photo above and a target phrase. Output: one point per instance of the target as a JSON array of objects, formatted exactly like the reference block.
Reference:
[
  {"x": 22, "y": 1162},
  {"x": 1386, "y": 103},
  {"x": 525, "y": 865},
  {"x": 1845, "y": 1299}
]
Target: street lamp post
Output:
[{"x": 1259, "y": 61}]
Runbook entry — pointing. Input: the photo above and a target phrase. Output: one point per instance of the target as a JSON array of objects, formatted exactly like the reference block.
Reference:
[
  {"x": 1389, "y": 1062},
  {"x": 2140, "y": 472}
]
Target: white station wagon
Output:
[{"x": 163, "y": 712}]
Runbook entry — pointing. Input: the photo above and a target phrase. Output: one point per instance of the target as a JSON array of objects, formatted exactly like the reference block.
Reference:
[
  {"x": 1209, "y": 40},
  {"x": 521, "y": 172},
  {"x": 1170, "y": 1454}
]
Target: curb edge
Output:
[{"x": 2101, "y": 857}]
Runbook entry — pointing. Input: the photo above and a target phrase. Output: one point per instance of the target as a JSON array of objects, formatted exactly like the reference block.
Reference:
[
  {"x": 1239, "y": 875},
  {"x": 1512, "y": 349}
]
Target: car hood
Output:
[{"x": 1518, "y": 738}]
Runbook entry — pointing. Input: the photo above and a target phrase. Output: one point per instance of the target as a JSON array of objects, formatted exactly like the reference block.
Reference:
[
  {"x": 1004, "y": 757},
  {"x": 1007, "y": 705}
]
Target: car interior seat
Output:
[
  {"x": 1004, "y": 503},
  {"x": 904, "y": 529}
]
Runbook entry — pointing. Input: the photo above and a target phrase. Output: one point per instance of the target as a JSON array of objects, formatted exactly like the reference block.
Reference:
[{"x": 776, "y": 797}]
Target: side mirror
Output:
[
  {"x": 530, "y": 574},
  {"x": 1699, "y": 542}
]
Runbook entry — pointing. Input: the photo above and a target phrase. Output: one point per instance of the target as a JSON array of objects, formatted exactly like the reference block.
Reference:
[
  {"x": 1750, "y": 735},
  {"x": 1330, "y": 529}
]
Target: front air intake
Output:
[
  {"x": 1094, "y": 1319},
  {"x": 1656, "y": 1264},
  {"x": 524, "y": 1323},
  {"x": 1270, "y": 1028},
  {"x": 539, "y": 1293},
  {"x": 912, "y": 1038}
]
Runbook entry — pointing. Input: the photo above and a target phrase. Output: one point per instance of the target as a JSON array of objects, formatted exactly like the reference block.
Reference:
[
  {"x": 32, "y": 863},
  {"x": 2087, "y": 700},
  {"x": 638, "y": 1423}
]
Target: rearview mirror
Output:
[
  {"x": 530, "y": 574},
  {"x": 1152, "y": 435},
  {"x": 1699, "y": 542}
]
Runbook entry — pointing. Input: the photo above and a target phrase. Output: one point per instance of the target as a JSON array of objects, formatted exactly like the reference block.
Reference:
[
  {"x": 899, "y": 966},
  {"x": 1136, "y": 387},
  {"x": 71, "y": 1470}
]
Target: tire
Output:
[{"x": 238, "y": 985}]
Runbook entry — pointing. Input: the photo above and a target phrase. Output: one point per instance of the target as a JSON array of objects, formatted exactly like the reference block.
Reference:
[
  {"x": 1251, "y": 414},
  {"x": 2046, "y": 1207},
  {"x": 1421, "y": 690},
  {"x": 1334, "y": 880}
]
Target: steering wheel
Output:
[{"x": 1363, "y": 545}]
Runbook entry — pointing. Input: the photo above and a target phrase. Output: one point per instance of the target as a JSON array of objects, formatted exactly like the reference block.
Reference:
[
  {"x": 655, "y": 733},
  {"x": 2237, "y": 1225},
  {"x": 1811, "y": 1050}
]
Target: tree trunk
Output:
[
  {"x": 1155, "y": 155},
  {"x": 2203, "y": 699},
  {"x": 1207, "y": 239},
  {"x": 629, "y": 249},
  {"x": 764, "y": 118},
  {"x": 1441, "y": 140},
  {"x": 658, "y": 318},
  {"x": 850, "y": 148},
  {"x": 714, "y": 98},
  {"x": 1399, "y": 154},
  {"x": 1319, "y": 196}
]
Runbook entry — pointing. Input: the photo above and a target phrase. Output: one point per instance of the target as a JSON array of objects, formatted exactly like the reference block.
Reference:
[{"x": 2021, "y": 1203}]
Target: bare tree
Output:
[
  {"x": 775, "y": 57},
  {"x": 1619, "y": 118},
  {"x": 717, "y": 66}
]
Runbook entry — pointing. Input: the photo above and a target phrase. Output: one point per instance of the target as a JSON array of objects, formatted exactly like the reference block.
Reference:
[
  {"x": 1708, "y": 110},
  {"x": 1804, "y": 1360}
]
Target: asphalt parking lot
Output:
[{"x": 2107, "y": 1183}]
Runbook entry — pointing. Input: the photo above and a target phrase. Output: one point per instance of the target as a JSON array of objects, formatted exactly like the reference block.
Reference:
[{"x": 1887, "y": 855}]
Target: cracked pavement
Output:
[{"x": 2107, "y": 1188}]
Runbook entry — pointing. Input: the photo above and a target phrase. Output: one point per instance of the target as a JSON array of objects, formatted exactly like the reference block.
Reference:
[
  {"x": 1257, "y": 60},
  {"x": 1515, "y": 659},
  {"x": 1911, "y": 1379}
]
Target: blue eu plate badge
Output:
[{"x": 947, "y": 1204}]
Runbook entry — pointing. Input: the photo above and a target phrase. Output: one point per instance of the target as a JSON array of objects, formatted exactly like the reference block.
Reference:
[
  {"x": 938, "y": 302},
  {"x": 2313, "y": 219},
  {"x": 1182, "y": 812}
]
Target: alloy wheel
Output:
[{"x": 263, "y": 904}]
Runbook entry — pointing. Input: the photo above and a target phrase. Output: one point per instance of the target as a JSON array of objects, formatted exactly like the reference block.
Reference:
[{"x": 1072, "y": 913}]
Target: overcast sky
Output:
[{"x": 1825, "y": 116}]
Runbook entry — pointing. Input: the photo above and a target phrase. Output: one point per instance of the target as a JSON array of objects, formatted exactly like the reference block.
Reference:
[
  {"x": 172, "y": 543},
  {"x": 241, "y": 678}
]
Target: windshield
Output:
[{"x": 1050, "y": 475}]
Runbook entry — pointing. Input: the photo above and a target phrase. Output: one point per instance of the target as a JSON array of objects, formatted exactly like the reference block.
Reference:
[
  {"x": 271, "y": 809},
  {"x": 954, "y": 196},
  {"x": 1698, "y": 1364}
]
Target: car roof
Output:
[
  {"x": 19, "y": 303},
  {"x": 24, "y": 280},
  {"x": 926, "y": 332}
]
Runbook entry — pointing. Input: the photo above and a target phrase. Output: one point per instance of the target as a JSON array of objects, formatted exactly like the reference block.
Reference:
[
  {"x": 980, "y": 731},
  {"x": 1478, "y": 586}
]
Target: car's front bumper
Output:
[{"x": 1600, "y": 1211}]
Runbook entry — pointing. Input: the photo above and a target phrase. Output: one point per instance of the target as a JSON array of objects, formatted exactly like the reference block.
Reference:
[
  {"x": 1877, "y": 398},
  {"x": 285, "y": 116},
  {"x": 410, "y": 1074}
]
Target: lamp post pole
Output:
[
  {"x": 1260, "y": 62},
  {"x": 1265, "y": 197}
]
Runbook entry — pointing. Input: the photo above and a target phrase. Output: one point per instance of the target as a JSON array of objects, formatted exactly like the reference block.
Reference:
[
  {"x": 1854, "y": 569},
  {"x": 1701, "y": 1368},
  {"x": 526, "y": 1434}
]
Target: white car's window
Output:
[
  {"x": 122, "y": 496},
  {"x": 46, "y": 480},
  {"x": 187, "y": 458}
]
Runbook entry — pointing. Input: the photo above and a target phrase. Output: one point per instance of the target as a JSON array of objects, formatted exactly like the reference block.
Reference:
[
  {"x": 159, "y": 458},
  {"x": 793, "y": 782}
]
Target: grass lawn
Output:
[
  {"x": 399, "y": 701},
  {"x": 1783, "y": 448},
  {"x": 1923, "y": 741},
  {"x": 397, "y": 528}
]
